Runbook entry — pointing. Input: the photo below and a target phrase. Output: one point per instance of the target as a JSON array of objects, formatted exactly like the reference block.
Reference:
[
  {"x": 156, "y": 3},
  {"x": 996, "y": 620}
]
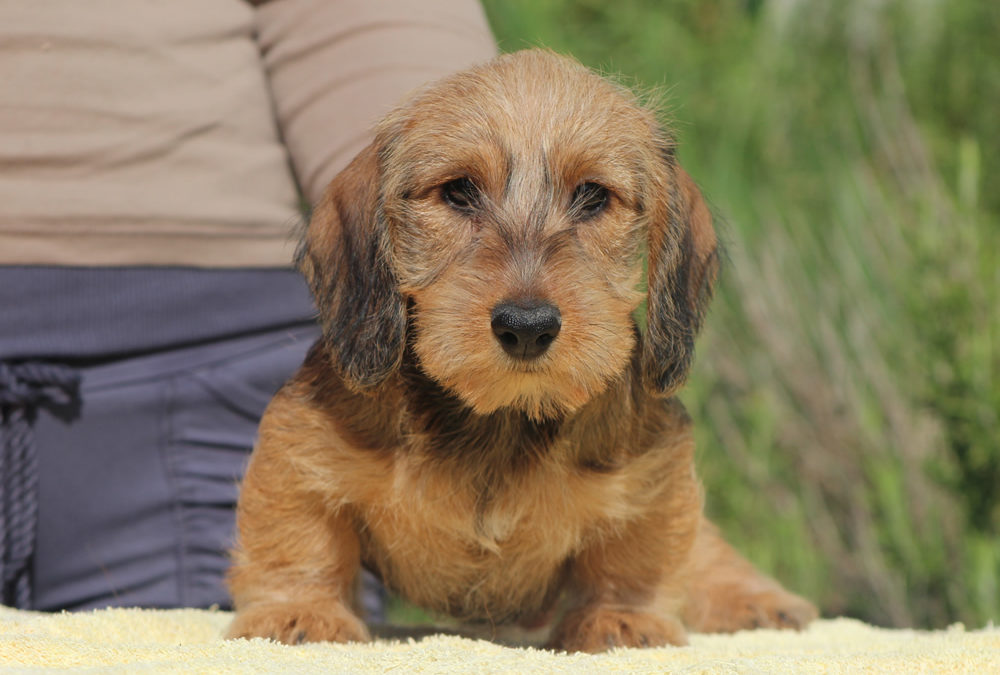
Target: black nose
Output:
[{"x": 526, "y": 330}]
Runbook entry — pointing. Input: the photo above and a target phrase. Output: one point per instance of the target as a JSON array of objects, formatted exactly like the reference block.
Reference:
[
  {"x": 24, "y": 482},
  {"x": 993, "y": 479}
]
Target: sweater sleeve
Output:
[{"x": 336, "y": 66}]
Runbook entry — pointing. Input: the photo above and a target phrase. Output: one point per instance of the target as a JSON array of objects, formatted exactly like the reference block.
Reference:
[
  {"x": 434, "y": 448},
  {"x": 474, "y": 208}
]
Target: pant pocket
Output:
[{"x": 213, "y": 416}]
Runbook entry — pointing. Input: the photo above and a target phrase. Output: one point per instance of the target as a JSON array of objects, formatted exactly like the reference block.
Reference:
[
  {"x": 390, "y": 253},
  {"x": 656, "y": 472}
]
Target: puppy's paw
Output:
[
  {"x": 295, "y": 623},
  {"x": 764, "y": 609},
  {"x": 596, "y": 629}
]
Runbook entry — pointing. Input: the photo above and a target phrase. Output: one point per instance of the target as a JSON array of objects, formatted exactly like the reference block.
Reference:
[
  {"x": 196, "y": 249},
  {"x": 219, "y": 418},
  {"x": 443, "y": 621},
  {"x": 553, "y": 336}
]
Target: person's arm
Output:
[{"x": 336, "y": 66}]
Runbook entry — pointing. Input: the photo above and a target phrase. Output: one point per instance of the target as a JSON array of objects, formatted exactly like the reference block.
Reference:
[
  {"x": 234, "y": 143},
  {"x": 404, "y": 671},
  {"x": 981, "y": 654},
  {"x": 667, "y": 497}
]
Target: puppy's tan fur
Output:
[{"x": 473, "y": 483}]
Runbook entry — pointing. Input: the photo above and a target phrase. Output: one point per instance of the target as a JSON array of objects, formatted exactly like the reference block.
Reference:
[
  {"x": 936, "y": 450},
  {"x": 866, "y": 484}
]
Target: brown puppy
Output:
[{"x": 482, "y": 424}]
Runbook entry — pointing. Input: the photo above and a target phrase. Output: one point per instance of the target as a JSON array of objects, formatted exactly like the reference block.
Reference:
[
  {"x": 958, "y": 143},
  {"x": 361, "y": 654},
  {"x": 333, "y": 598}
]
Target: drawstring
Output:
[{"x": 23, "y": 387}]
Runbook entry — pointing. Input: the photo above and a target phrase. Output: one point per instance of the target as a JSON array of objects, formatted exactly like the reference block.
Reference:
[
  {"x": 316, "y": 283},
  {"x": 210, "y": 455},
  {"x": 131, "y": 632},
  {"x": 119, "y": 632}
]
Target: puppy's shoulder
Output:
[{"x": 317, "y": 401}]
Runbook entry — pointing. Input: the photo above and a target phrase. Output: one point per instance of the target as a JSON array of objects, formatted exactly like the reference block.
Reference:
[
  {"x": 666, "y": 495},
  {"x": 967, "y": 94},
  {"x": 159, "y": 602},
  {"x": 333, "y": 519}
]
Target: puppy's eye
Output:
[
  {"x": 589, "y": 200},
  {"x": 461, "y": 194}
]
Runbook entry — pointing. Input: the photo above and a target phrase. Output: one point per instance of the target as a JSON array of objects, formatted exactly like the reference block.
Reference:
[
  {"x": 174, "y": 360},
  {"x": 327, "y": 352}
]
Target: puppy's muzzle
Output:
[{"x": 525, "y": 330}]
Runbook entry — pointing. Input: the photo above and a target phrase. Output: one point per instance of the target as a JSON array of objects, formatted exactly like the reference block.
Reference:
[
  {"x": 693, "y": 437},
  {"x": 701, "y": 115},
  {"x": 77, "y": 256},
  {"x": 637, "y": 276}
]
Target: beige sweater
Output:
[{"x": 142, "y": 132}]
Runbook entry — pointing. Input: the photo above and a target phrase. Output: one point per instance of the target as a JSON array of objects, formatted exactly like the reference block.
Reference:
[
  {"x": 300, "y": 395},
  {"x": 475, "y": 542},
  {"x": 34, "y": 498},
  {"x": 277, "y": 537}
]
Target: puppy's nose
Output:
[{"x": 525, "y": 331}]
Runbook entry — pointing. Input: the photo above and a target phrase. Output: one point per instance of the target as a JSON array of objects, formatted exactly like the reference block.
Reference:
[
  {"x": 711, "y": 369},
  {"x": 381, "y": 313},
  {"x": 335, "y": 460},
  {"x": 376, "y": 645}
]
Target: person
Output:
[{"x": 153, "y": 158}]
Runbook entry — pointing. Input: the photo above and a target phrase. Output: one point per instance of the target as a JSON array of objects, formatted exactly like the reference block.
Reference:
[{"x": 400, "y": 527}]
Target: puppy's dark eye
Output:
[
  {"x": 589, "y": 200},
  {"x": 461, "y": 194}
]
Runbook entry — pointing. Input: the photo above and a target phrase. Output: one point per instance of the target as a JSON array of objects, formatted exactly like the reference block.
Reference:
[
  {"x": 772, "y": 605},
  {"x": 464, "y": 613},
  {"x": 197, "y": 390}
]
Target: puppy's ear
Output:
[
  {"x": 683, "y": 263},
  {"x": 344, "y": 256}
]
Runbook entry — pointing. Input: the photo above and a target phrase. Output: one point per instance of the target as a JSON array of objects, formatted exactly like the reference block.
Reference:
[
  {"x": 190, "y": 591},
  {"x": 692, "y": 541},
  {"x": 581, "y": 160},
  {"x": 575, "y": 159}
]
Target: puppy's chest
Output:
[{"x": 494, "y": 551}]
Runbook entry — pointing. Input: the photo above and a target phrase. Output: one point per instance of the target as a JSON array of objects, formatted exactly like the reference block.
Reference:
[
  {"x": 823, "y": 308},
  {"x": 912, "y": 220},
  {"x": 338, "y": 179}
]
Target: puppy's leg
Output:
[
  {"x": 630, "y": 582},
  {"x": 297, "y": 559},
  {"x": 726, "y": 593}
]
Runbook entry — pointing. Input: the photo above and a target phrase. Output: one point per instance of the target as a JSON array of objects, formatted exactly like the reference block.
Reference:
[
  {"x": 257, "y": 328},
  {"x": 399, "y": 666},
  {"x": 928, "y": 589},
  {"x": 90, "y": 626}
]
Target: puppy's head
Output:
[{"x": 509, "y": 206}]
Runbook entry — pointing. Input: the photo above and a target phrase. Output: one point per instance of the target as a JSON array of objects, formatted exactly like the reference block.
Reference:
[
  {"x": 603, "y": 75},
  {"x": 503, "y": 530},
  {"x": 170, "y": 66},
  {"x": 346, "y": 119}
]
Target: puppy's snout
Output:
[{"x": 525, "y": 331}]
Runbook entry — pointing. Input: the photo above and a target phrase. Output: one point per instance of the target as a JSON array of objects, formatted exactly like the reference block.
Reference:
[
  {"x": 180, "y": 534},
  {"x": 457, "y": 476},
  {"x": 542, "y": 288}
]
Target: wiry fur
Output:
[{"x": 473, "y": 483}]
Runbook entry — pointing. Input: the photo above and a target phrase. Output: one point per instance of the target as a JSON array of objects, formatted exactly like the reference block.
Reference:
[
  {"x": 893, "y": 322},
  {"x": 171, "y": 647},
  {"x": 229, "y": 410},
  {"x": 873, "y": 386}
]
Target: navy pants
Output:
[
  {"x": 123, "y": 492},
  {"x": 137, "y": 483},
  {"x": 136, "y": 489}
]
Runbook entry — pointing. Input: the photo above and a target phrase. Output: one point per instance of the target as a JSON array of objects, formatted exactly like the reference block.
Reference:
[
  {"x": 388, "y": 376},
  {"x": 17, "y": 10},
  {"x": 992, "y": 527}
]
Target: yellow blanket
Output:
[{"x": 132, "y": 640}]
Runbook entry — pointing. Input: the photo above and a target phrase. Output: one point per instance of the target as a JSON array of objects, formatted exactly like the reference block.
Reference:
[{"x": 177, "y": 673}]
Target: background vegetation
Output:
[{"x": 847, "y": 387}]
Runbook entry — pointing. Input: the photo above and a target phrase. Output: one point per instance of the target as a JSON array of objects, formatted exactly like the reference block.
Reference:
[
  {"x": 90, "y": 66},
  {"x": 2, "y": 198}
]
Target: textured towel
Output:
[{"x": 132, "y": 640}]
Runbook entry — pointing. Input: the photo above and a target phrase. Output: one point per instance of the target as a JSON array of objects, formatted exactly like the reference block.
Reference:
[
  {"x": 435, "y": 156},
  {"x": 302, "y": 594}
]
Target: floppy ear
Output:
[
  {"x": 344, "y": 256},
  {"x": 683, "y": 263}
]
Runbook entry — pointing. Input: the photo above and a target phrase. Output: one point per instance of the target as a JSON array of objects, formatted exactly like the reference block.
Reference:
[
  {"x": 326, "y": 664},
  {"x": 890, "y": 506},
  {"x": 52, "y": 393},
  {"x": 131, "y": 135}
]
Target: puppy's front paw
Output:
[
  {"x": 295, "y": 623},
  {"x": 763, "y": 609},
  {"x": 596, "y": 629}
]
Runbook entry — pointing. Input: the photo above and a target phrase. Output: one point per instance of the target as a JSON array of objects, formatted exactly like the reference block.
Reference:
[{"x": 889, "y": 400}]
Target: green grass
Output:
[{"x": 847, "y": 387}]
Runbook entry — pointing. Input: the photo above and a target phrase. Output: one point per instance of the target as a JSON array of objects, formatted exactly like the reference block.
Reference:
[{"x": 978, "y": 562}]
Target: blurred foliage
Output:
[{"x": 847, "y": 388}]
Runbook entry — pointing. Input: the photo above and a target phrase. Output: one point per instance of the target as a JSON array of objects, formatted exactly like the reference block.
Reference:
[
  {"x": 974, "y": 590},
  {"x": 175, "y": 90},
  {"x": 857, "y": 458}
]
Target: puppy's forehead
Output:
[{"x": 526, "y": 107}]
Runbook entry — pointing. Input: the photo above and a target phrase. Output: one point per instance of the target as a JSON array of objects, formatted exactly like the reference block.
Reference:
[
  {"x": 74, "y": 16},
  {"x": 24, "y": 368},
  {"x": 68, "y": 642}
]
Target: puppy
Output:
[{"x": 482, "y": 424}]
